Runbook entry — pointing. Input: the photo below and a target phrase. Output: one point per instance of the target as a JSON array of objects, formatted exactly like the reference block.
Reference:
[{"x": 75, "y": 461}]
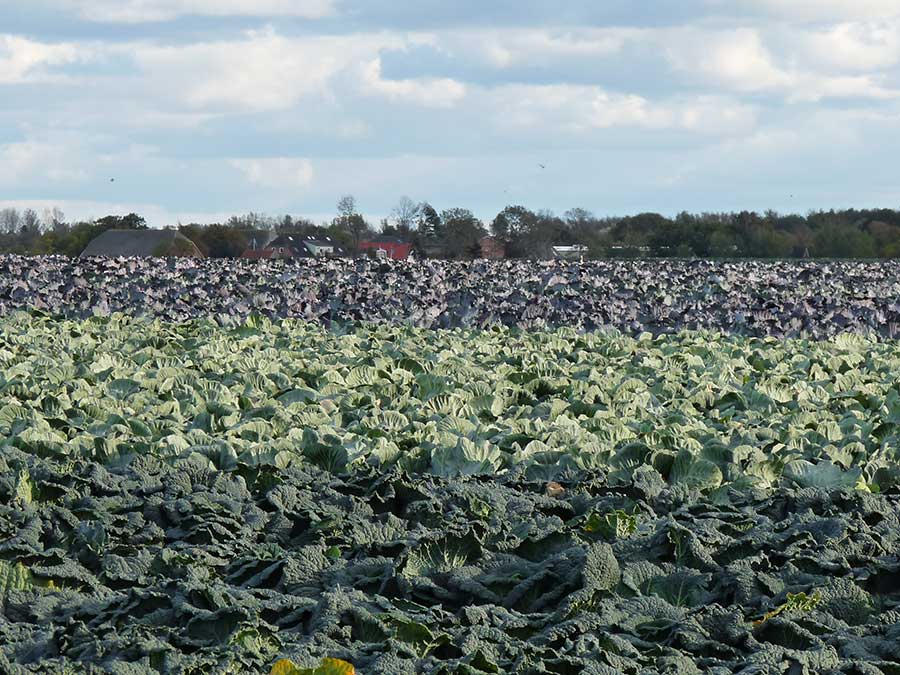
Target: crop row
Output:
[
  {"x": 200, "y": 498},
  {"x": 154, "y": 568},
  {"x": 701, "y": 410},
  {"x": 789, "y": 298}
]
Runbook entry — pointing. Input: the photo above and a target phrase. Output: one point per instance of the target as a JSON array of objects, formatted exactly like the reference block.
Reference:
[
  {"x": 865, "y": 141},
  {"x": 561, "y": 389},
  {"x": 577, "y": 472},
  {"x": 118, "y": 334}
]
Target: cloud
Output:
[
  {"x": 265, "y": 71},
  {"x": 280, "y": 173},
  {"x": 739, "y": 60},
  {"x": 425, "y": 91},
  {"x": 853, "y": 46},
  {"x": 143, "y": 11},
  {"x": 505, "y": 48},
  {"x": 23, "y": 60},
  {"x": 736, "y": 59},
  {"x": 577, "y": 109},
  {"x": 27, "y": 162},
  {"x": 235, "y": 105}
]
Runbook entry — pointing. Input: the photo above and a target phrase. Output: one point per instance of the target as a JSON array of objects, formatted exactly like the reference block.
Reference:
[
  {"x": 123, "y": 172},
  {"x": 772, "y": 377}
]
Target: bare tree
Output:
[
  {"x": 405, "y": 215},
  {"x": 31, "y": 222},
  {"x": 346, "y": 207},
  {"x": 10, "y": 220},
  {"x": 54, "y": 219}
]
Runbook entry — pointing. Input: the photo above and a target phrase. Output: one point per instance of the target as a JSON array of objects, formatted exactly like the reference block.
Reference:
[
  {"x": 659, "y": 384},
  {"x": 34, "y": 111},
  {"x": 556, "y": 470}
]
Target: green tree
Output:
[
  {"x": 350, "y": 225},
  {"x": 833, "y": 240},
  {"x": 500, "y": 227},
  {"x": 429, "y": 224},
  {"x": 722, "y": 244},
  {"x": 217, "y": 240},
  {"x": 462, "y": 230},
  {"x": 519, "y": 223}
]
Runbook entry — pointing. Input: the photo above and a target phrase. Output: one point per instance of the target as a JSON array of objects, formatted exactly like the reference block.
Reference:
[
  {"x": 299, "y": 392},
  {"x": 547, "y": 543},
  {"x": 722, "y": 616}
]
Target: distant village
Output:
[
  {"x": 417, "y": 231},
  {"x": 266, "y": 244}
]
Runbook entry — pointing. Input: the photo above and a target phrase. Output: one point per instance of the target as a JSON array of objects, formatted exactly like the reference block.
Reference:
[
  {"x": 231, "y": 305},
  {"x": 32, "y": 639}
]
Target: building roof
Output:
[
  {"x": 397, "y": 249},
  {"x": 304, "y": 245},
  {"x": 141, "y": 243},
  {"x": 293, "y": 242}
]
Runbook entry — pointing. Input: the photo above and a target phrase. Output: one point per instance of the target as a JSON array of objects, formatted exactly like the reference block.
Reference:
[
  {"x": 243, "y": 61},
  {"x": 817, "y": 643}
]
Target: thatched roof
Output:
[{"x": 141, "y": 243}]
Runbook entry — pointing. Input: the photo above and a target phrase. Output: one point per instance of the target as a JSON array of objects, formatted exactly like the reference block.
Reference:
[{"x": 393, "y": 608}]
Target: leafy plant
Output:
[
  {"x": 796, "y": 603},
  {"x": 328, "y": 666},
  {"x": 614, "y": 524}
]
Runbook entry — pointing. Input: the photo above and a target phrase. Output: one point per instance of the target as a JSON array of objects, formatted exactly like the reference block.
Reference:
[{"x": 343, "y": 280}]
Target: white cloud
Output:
[
  {"x": 23, "y": 60},
  {"x": 855, "y": 46},
  {"x": 504, "y": 48},
  {"x": 140, "y": 11},
  {"x": 790, "y": 149},
  {"x": 357, "y": 106},
  {"x": 281, "y": 173},
  {"x": 30, "y": 162},
  {"x": 579, "y": 108},
  {"x": 571, "y": 108},
  {"x": 264, "y": 71},
  {"x": 739, "y": 60},
  {"x": 424, "y": 91},
  {"x": 736, "y": 59}
]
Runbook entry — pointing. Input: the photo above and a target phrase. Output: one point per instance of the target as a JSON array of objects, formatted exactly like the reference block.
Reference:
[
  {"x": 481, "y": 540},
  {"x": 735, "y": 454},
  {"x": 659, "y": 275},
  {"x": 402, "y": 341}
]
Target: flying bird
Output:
[
  {"x": 112, "y": 180},
  {"x": 542, "y": 166}
]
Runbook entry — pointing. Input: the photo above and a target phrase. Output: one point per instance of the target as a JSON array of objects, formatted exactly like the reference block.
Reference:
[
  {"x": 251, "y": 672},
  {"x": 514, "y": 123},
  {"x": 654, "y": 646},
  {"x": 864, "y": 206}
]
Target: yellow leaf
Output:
[
  {"x": 335, "y": 667},
  {"x": 284, "y": 667},
  {"x": 327, "y": 667}
]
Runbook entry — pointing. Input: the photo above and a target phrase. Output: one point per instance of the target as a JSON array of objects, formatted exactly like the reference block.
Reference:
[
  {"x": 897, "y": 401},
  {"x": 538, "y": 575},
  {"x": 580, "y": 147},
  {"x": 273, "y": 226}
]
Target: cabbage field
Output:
[
  {"x": 782, "y": 299},
  {"x": 194, "y": 487}
]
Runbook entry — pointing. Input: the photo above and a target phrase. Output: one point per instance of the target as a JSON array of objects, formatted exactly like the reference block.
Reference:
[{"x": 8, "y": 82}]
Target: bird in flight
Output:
[
  {"x": 112, "y": 180},
  {"x": 542, "y": 166}
]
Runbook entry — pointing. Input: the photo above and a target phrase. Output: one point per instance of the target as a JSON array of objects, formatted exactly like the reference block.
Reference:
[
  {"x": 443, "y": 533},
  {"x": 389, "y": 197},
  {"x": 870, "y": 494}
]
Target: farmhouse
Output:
[
  {"x": 295, "y": 246},
  {"x": 387, "y": 247},
  {"x": 141, "y": 243},
  {"x": 492, "y": 248}
]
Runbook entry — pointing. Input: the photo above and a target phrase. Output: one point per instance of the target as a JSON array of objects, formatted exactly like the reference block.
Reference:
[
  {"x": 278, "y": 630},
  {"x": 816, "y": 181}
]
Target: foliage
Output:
[
  {"x": 211, "y": 495},
  {"x": 796, "y": 603},
  {"x": 327, "y": 667},
  {"x": 782, "y": 299},
  {"x": 705, "y": 411},
  {"x": 461, "y": 232},
  {"x": 850, "y": 233},
  {"x": 216, "y": 241}
]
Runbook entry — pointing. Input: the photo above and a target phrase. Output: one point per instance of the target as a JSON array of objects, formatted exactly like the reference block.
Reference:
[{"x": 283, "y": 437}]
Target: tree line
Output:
[{"x": 456, "y": 232}]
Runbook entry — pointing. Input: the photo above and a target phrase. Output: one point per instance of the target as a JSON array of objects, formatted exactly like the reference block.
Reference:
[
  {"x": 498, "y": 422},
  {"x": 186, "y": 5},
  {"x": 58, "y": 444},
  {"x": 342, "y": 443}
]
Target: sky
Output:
[{"x": 195, "y": 110}]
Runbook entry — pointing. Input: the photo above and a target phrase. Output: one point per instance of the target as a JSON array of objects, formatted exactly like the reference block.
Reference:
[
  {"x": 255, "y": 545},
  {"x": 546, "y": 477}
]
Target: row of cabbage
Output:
[
  {"x": 779, "y": 298},
  {"x": 700, "y": 410}
]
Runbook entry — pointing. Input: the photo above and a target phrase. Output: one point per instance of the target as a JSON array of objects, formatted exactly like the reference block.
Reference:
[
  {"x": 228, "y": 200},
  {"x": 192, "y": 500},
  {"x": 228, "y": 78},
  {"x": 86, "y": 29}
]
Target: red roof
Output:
[{"x": 396, "y": 250}]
